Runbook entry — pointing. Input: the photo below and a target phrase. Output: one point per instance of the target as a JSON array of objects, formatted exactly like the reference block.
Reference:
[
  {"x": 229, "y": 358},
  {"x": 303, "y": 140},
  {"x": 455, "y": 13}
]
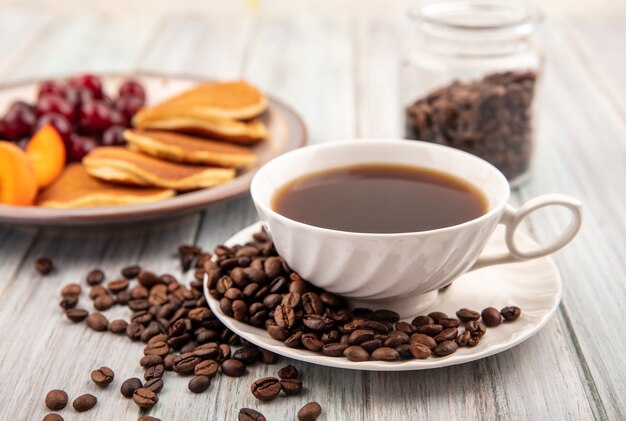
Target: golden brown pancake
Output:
[
  {"x": 74, "y": 188},
  {"x": 182, "y": 148},
  {"x": 121, "y": 165},
  {"x": 235, "y": 100}
]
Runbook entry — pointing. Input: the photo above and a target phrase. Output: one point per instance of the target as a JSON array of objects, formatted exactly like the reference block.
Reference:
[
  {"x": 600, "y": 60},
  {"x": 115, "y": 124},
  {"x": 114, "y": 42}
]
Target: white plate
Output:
[{"x": 534, "y": 286}]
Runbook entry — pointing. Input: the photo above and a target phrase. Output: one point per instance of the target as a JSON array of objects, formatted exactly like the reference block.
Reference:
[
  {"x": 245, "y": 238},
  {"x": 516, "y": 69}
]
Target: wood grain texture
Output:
[{"x": 342, "y": 76}]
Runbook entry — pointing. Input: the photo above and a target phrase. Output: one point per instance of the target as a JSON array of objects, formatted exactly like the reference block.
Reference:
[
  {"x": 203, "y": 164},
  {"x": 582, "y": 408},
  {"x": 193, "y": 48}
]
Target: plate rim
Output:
[
  {"x": 392, "y": 366},
  {"x": 31, "y": 215}
]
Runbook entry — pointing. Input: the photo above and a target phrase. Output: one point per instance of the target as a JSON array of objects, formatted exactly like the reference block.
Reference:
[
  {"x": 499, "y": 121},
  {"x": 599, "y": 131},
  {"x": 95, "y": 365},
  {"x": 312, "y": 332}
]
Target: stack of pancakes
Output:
[{"x": 195, "y": 140}]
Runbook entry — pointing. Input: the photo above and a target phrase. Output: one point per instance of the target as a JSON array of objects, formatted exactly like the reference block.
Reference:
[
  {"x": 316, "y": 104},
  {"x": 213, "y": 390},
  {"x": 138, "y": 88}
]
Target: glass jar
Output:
[{"x": 469, "y": 79}]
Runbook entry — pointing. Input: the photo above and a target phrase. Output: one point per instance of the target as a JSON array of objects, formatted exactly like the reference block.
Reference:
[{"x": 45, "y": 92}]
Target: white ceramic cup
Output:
[{"x": 399, "y": 271}]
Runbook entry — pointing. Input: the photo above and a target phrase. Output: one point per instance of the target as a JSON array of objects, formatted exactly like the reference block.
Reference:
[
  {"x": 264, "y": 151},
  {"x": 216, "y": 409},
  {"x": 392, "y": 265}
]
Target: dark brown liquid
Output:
[{"x": 380, "y": 198}]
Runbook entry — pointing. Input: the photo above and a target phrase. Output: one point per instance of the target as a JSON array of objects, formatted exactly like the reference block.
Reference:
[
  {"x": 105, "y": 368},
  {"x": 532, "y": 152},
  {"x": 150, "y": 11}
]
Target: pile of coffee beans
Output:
[
  {"x": 491, "y": 118},
  {"x": 256, "y": 286}
]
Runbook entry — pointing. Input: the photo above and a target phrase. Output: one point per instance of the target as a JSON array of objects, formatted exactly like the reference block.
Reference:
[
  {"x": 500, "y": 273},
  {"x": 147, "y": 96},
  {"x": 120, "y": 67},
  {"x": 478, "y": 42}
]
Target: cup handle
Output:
[{"x": 512, "y": 217}]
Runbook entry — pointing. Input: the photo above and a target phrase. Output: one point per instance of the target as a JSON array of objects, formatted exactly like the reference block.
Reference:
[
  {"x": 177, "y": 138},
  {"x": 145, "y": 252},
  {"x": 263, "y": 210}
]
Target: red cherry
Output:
[
  {"x": 132, "y": 88},
  {"x": 95, "y": 117},
  {"x": 55, "y": 104},
  {"x": 19, "y": 120},
  {"x": 128, "y": 106},
  {"x": 60, "y": 123},
  {"x": 79, "y": 146},
  {"x": 51, "y": 87},
  {"x": 114, "y": 136},
  {"x": 89, "y": 81}
]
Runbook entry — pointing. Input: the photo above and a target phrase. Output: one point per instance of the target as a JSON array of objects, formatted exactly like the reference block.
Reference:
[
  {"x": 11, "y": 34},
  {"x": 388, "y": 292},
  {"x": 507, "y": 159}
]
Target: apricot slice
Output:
[
  {"x": 18, "y": 183},
  {"x": 46, "y": 151}
]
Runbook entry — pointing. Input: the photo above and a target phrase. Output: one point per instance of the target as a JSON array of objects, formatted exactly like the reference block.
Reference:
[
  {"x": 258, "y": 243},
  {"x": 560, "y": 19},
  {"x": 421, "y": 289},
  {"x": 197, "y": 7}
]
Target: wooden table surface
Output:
[{"x": 340, "y": 70}]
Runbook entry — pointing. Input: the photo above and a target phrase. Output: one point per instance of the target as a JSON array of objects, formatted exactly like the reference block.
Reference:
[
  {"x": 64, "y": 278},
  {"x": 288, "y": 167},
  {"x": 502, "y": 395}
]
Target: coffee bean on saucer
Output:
[
  {"x": 430, "y": 330},
  {"x": 247, "y": 414},
  {"x": 266, "y": 389},
  {"x": 386, "y": 316},
  {"x": 385, "y": 354},
  {"x": 145, "y": 398},
  {"x": 491, "y": 317},
  {"x": 420, "y": 338},
  {"x": 419, "y": 351},
  {"x": 467, "y": 315},
  {"x": 69, "y": 302},
  {"x": 291, "y": 386},
  {"x": 97, "y": 322},
  {"x": 199, "y": 384},
  {"x": 288, "y": 372},
  {"x": 117, "y": 326},
  {"x": 447, "y": 335},
  {"x": 422, "y": 320},
  {"x": 510, "y": 313},
  {"x": 129, "y": 386},
  {"x": 477, "y": 329},
  {"x": 155, "y": 385},
  {"x": 44, "y": 265},
  {"x": 309, "y": 412},
  {"x": 56, "y": 399},
  {"x": 334, "y": 349},
  {"x": 84, "y": 402},
  {"x": 71, "y": 290},
  {"x": 448, "y": 322},
  {"x": 233, "y": 368},
  {"x": 95, "y": 277},
  {"x": 131, "y": 272},
  {"x": 53, "y": 417},
  {"x": 102, "y": 376},
  {"x": 445, "y": 348},
  {"x": 436, "y": 315},
  {"x": 463, "y": 339},
  {"x": 356, "y": 353}
]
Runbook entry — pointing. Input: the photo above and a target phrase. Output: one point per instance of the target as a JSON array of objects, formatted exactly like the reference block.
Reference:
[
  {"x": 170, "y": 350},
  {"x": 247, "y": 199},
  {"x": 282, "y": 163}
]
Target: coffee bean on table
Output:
[
  {"x": 155, "y": 385},
  {"x": 206, "y": 368},
  {"x": 154, "y": 372},
  {"x": 118, "y": 285},
  {"x": 131, "y": 272},
  {"x": 247, "y": 355},
  {"x": 445, "y": 348},
  {"x": 117, "y": 326},
  {"x": 53, "y": 417},
  {"x": 129, "y": 386},
  {"x": 96, "y": 291},
  {"x": 248, "y": 414},
  {"x": 150, "y": 360},
  {"x": 291, "y": 386},
  {"x": 103, "y": 302},
  {"x": 70, "y": 290},
  {"x": 510, "y": 313},
  {"x": 199, "y": 384},
  {"x": 266, "y": 389},
  {"x": 95, "y": 277},
  {"x": 44, "y": 265},
  {"x": 491, "y": 317},
  {"x": 84, "y": 402},
  {"x": 76, "y": 314},
  {"x": 233, "y": 368},
  {"x": 356, "y": 353},
  {"x": 68, "y": 302},
  {"x": 148, "y": 418},
  {"x": 267, "y": 357},
  {"x": 145, "y": 398},
  {"x": 56, "y": 399},
  {"x": 97, "y": 322},
  {"x": 102, "y": 376},
  {"x": 385, "y": 354},
  {"x": 288, "y": 372},
  {"x": 309, "y": 412},
  {"x": 467, "y": 315}
]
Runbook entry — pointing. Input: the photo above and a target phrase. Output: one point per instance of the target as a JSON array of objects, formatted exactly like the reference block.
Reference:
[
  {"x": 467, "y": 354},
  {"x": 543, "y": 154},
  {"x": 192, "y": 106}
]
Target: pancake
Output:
[
  {"x": 235, "y": 100},
  {"x": 75, "y": 188},
  {"x": 182, "y": 148},
  {"x": 121, "y": 165}
]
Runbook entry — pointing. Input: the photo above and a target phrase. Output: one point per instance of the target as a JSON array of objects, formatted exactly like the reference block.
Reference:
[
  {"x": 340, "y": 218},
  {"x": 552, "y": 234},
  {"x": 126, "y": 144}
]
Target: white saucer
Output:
[{"x": 534, "y": 286}]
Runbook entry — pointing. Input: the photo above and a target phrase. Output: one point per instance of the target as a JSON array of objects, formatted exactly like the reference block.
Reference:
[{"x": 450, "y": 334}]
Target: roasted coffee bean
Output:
[
  {"x": 294, "y": 341},
  {"x": 97, "y": 322},
  {"x": 396, "y": 338},
  {"x": 316, "y": 322},
  {"x": 371, "y": 345},
  {"x": 463, "y": 339},
  {"x": 293, "y": 299},
  {"x": 103, "y": 302},
  {"x": 331, "y": 300},
  {"x": 430, "y": 330},
  {"x": 420, "y": 338},
  {"x": 385, "y": 354},
  {"x": 334, "y": 349},
  {"x": 147, "y": 279},
  {"x": 312, "y": 303},
  {"x": 240, "y": 310},
  {"x": 266, "y": 389},
  {"x": 199, "y": 384},
  {"x": 71, "y": 290},
  {"x": 155, "y": 385},
  {"x": 150, "y": 360},
  {"x": 134, "y": 330},
  {"x": 405, "y": 327},
  {"x": 76, "y": 314},
  {"x": 447, "y": 335},
  {"x": 386, "y": 316},
  {"x": 209, "y": 350},
  {"x": 233, "y": 368},
  {"x": 422, "y": 320},
  {"x": 102, "y": 376},
  {"x": 404, "y": 351},
  {"x": 224, "y": 351},
  {"x": 131, "y": 272},
  {"x": 233, "y": 294},
  {"x": 356, "y": 353},
  {"x": 272, "y": 301},
  {"x": 53, "y": 417},
  {"x": 148, "y": 418},
  {"x": 474, "y": 340},
  {"x": 510, "y": 313},
  {"x": 436, "y": 315},
  {"x": 288, "y": 372},
  {"x": 476, "y": 328},
  {"x": 247, "y": 414},
  {"x": 284, "y": 316},
  {"x": 363, "y": 313},
  {"x": 467, "y": 315},
  {"x": 139, "y": 293},
  {"x": 419, "y": 351},
  {"x": 491, "y": 317},
  {"x": 376, "y": 326},
  {"x": 185, "y": 363},
  {"x": 206, "y": 368},
  {"x": 291, "y": 386},
  {"x": 68, "y": 302},
  {"x": 168, "y": 361},
  {"x": 448, "y": 322},
  {"x": 247, "y": 355},
  {"x": 158, "y": 348},
  {"x": 267, "y": 357},
  {"x": 96, "y": 291},
  {"x": 118, "y": 286},
  {"x": 311, "y": 342},
  {"x": 95, "y": 277},
  {"x": 360, "y": 335},
  {"x": 141, "y": 317},
  {"x": 445, "y": 348},
  {"x": 273, "y": 267},
  {"x": 309, "y": 412},
  {"x": 84, "y": 402},
  {"x": 129, "y": 386},
  {"x": 44, "y": 265},
  {"x": 56, "y": 399},
  {"x": 145, "y": 398},
  {"x": 139, "y": 305},
  {"x": 117, "y": 326}
]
